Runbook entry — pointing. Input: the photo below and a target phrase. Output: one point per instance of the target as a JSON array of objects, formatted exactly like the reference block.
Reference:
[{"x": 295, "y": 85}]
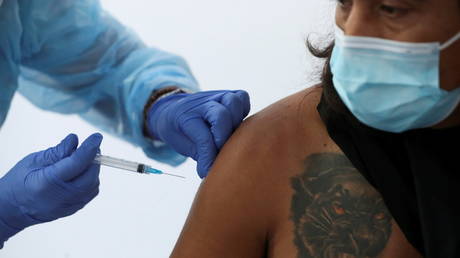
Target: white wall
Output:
[{"x": 239, "y": 44}]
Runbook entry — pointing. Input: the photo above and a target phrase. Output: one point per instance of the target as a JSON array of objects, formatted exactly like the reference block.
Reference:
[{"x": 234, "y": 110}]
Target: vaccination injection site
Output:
[{"x": 229, "y": 129}]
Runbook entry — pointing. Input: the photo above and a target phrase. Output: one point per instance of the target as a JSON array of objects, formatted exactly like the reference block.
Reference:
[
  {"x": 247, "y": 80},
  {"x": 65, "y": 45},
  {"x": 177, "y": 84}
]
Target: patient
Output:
[{"x": 282, "y": 188}]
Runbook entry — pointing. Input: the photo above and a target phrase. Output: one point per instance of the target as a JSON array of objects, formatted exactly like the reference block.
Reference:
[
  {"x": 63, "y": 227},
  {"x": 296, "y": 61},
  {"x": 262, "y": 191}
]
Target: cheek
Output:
[
  {"x": 449, "y": 67},
  {"x": 340, "y": 17}
]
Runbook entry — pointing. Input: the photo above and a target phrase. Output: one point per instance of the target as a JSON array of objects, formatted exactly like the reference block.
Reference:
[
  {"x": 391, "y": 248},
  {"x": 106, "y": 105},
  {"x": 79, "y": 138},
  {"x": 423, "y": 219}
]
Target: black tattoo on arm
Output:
[{"x": 335, "y": 211}]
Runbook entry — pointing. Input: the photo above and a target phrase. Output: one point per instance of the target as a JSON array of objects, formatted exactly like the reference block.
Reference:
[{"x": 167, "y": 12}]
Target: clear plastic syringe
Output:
[{"x": 128, "y": 165}]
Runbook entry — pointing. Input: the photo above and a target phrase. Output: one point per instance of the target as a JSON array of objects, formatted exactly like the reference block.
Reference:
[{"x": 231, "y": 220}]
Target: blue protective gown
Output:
[{"x": 71, "y": 57}]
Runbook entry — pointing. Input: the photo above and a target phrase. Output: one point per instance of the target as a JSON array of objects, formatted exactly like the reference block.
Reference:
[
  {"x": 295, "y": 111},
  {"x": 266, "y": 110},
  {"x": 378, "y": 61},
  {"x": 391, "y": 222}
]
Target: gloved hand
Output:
[
  {"x": 48, "y": 185},
  {"x": 197, "y": 125}
]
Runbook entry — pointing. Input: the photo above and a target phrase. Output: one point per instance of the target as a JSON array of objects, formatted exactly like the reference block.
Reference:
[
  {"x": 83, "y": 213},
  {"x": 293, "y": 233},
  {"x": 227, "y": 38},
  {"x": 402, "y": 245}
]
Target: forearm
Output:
[{"x": 96, "y": 68}]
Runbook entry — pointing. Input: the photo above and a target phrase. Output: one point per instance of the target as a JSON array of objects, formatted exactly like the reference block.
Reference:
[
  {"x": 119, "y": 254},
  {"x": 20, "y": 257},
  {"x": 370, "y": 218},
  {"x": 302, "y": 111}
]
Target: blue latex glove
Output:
[
  {"x": 198, "y": 125},
  {"x": 48, "y": 185}
]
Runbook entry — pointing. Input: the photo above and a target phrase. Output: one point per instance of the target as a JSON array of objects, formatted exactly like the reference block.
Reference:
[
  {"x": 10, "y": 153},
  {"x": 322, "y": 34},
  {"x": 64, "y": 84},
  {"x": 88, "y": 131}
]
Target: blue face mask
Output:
[{"x": 389, "y": 85}]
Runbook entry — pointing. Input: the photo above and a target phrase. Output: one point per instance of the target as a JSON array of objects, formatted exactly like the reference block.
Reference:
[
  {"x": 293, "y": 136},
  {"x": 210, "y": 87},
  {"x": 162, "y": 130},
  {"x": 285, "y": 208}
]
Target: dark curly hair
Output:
[{"x": 329, "y": 93}]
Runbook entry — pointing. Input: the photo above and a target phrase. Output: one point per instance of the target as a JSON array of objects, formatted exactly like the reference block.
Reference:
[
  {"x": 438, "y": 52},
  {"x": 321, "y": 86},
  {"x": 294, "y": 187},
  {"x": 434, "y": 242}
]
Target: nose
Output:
[{"x": 360, "y": 21}]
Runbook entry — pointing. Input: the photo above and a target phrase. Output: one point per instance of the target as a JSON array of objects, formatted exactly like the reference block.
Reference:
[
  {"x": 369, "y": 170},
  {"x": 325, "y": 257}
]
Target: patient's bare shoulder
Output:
[
  {"x": 235, "y": 205},
  {"x": 288, "y": 128},
  {"x": 282, "y": 188}
]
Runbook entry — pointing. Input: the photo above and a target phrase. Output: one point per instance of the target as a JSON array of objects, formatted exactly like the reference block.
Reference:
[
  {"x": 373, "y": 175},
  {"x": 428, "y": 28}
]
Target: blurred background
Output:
[{"x": 256, "y": 45}]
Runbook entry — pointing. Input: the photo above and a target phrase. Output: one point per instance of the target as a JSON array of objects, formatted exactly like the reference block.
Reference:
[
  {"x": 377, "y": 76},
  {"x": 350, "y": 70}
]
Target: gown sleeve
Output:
[{"x": 77, "y": 59}]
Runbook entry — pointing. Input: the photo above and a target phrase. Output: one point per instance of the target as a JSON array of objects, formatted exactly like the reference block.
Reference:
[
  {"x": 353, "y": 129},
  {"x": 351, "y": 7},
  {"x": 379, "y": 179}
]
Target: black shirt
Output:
[{"x": 417, "y": 173}]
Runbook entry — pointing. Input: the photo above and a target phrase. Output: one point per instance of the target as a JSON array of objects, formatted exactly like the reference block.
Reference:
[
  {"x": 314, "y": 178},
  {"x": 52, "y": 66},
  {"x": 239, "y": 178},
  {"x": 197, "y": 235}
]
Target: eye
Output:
[{"x": 393, "y": 11}]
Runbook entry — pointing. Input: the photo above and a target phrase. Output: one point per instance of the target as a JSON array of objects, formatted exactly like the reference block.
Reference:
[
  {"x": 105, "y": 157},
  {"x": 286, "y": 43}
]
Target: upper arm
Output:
[
  {"x": 231, "y": 210},
  {"x": 73, "y": 45},
  {"x": 59, "y": 33}
]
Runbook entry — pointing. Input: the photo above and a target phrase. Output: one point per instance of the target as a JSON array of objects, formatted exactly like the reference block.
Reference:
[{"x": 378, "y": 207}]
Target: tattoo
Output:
[{"x": 335, "y": 211}]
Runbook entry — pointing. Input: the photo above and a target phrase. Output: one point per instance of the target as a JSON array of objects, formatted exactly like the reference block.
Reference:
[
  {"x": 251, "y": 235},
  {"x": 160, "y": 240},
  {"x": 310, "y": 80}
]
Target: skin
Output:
[
  {"x": 409, "y": 21},
  {"x": 282, "y": 188},
  {"x": 288, "y": 192}
]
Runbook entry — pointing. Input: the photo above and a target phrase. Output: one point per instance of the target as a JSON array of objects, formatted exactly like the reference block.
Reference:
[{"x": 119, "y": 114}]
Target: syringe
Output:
[{"x": 128, "y": 165}]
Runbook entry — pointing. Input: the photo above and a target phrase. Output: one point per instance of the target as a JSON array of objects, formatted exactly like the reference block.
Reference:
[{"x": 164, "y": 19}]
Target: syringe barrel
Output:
[{"x": 117, "y": 163}]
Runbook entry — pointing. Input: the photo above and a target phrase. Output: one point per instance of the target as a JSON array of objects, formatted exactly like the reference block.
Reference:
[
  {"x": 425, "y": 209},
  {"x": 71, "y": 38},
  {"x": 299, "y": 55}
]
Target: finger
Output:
[
  {"x": 74, "y": 165},
  {"x": 245, "y": 100},
  {"x": 84, "y": 197},
  {"x": 206, "y": 151},
  {"x": 235, "y": 107},
  {"x": 220, "y": 120},
  {"x": 88, "y": 179},
  {"x": 91, "y": 195},
  {"x": 83, "y": 201},
  {"x": 182, "y": 145},
  {"x": 54, "y": 154}
]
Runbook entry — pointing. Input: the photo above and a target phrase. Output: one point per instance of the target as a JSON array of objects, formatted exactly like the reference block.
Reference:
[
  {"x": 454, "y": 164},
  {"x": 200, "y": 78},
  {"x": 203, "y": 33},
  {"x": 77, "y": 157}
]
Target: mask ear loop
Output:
[{"x": 450, "y": 42}]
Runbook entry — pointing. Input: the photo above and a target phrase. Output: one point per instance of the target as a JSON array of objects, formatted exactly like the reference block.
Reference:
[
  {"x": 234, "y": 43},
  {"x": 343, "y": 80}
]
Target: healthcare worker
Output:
[{"x": 71, "y": 57}]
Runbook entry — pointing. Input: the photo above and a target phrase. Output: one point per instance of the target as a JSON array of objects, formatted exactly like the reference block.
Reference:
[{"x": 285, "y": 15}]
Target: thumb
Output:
[
  {"x": 206, "y": 151},
  {"x": 74, "y": 165},
  {"x": 55, "y": 154}
]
